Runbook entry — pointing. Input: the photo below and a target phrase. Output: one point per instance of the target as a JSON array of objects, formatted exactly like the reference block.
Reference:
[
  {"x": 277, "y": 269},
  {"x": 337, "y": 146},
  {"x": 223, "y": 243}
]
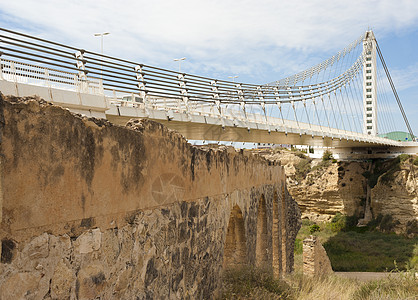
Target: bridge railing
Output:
[{"x": 32, "y": 60}]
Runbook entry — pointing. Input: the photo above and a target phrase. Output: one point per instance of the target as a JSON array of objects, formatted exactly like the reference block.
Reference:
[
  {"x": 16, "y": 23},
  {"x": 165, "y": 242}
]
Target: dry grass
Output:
[{"x": 256, "y": 284}]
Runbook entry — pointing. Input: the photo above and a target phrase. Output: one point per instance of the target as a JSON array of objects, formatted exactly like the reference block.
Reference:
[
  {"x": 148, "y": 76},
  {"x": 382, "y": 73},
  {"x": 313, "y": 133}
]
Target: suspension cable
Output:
[{"x": 394, "y": 91}]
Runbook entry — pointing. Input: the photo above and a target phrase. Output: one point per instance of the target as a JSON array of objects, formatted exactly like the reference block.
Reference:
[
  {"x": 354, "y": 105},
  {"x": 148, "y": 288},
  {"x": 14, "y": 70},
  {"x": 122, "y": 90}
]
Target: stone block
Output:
[{"x": 89, "y": 241}]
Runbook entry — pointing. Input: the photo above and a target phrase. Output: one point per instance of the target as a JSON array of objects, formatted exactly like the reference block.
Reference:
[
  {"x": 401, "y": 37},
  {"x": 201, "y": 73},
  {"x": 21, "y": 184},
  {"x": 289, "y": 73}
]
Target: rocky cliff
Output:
[
  {"x": 324, "y": 188},
  {"x": 396, "y": 193}
]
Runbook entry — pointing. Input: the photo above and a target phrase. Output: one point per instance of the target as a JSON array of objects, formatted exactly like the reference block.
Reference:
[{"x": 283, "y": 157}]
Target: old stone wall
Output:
[
  {"x": 315, "y": 258},
  {"x": 90, "y": 209}
]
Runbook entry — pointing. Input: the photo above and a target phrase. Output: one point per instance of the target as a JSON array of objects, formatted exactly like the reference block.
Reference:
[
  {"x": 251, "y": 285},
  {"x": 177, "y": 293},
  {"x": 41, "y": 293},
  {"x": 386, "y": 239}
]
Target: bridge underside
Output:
[{"x": 211, "y": 132}]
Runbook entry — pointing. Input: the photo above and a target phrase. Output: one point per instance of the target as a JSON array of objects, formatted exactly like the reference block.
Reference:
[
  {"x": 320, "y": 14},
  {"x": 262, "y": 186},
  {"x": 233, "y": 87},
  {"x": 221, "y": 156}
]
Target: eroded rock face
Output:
[
  {"x": 396, "y": 194},
  {"x": 326, "y": 188}
]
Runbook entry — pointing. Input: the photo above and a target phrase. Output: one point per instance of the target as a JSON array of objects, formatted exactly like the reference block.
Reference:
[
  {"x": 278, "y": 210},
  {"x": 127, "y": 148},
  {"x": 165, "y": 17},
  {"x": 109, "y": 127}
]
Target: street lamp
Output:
[
  {"x": 101, "y": 48},
  {"x": 233, "y": 77},
  {"x": 179, "y": 60}
]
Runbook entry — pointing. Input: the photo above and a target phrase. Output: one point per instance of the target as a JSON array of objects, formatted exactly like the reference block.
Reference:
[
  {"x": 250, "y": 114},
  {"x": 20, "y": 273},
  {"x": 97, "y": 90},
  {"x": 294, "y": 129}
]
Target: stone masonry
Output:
[
  {"x": 315, "y": 258},
  {"x": 93, "y": 210}
]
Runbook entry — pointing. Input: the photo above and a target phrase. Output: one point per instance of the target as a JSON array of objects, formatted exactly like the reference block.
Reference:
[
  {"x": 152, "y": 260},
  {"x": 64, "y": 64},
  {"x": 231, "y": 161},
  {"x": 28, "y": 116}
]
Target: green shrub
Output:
[
  {"x": 416, "y": 161},
  {"x": 412, "y": 227},
  {"x": 307, "y": 222},
  {"x": 374, "y": 223},
  {"x": 314, "y": 228},
  {"x": 403, "y": 157},
  {"x": 384, "y": 223},
  {"x": 327, "y": 156},
  {"x": 388, "y": 224},
  {"x": 322, "y": 165},
  {"x": 342, "y": 222},
  {"x": 302, "y": 169},
  {"x": 300, "y": 154},
  {"x": 298, "y": 246}
]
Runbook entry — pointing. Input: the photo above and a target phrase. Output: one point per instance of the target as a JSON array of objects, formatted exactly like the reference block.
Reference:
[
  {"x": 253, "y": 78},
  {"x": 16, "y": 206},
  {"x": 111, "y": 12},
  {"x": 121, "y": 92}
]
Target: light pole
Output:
[
  {"x": 179, "y": 60},
  {"x": 101, "y": 49},
  {"x": 233, "y": 77}
]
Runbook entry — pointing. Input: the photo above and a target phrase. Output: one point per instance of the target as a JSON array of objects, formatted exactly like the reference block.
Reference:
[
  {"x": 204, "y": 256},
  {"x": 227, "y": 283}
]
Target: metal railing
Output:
[
  {"x": 32, "y": 60},
  {"x": 112, "y": 75}
]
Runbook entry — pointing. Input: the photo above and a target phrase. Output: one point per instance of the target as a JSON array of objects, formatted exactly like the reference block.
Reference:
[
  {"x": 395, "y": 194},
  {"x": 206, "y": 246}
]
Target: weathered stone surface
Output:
[
  {"x": 21, "y": 286},
  {"x": 89, "y": 241},
  {"x": 315, "y": 258},
  {"x": 62, "y": 281},
  {"x": 398, "y": 196},
  {"x": 327, "y": 188},
  {"x": 91, "y": 282},
  {"x": 129, "y": 213}
]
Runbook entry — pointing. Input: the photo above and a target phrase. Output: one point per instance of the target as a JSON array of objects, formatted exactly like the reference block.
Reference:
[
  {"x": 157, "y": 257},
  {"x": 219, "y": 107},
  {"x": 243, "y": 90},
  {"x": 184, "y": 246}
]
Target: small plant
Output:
[
  {"x": 412, "y": 227},
  {"x": 302, "y": 169},
  {"x": 384, "y": 223},
  {"x": 403, "y": 157},
  {"x": 415, "y": 162},
  {"x": 327, "y": 156},
  {"x": 342, "y": 222},
  {"x": 300, "y": 154},
  {"x": 388, "y": 224},
  {"x": 314, "y": 228},
  {"x": 298, "y": 246}
]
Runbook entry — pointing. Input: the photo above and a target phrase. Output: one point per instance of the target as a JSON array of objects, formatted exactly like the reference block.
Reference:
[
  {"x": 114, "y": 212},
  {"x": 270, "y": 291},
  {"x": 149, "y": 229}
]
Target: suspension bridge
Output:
[{"x": 345, "y": 101}]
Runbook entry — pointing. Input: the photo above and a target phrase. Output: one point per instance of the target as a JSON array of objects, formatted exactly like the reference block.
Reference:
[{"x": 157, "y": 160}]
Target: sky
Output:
[{"x": 259, "y": 41}]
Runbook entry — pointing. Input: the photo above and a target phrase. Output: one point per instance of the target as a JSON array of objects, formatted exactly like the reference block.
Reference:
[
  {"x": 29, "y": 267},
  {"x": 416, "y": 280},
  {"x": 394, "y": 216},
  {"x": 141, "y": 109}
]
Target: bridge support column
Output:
[{"x": 369, "y": 85}]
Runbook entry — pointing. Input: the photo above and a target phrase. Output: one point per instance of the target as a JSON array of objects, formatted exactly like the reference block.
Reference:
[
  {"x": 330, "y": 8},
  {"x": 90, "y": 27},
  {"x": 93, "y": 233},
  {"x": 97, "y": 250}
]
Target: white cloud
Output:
[{"x": 255, "y": 39}]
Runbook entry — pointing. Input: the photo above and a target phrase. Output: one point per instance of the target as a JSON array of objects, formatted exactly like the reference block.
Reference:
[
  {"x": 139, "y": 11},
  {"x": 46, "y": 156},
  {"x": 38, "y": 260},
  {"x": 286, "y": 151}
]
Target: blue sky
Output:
[{"x": 260, "y": 41}]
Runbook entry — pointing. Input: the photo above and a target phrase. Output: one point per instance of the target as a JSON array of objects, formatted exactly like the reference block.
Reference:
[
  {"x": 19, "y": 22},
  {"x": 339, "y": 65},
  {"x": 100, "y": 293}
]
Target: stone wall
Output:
[
  {"x": 90, "y": 209},
  {"x": 315, "y": 258}
]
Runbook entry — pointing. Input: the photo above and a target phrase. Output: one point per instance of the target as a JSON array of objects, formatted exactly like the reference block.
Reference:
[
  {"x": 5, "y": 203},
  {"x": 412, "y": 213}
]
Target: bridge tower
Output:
[{"x": 369, "y": 85}]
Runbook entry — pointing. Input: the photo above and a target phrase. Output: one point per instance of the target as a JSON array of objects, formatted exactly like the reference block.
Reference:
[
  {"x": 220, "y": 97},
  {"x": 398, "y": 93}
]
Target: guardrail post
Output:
[
  {"x": 82, "y": 85},
  {"x": 242, "y": 104},
  {"x": 1, "y": 67},
  {"x": 139, "y": 72},
  {"x": 263, "y": 106},
  {"x": 183, "y": 92},
  {"x": 217, "y": 101}
]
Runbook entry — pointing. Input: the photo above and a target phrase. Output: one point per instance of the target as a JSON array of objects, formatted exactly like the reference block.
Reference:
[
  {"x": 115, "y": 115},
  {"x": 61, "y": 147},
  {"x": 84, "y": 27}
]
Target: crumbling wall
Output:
[
  {"x": 91, "y": 209},
  {"x": 315, "y": 258}
]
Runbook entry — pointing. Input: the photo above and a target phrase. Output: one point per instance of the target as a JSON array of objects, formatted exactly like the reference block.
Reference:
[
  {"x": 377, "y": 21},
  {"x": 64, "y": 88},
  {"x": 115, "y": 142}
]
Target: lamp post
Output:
[
  {"x": 233, "y": 77},
  {"x": 179, "y": 60},
  {"x": 101, "y": 49}
]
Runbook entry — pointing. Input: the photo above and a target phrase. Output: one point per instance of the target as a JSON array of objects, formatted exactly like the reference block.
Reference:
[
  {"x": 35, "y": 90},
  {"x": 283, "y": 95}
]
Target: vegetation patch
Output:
[
  {"x": 334, "y": 287},
  {"x": 302, "y": 169},
  {"x": 362, "y": 249},
  {"x": 384, "y": 223},
  {"x": 252, "y": 283}
]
